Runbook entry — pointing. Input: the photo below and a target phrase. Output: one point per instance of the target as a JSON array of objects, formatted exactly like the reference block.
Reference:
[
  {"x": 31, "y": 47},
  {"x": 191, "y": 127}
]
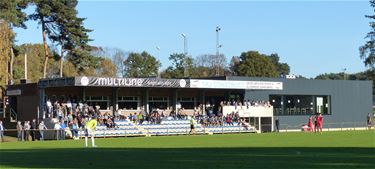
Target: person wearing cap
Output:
[{"x": 90, "y": 127}]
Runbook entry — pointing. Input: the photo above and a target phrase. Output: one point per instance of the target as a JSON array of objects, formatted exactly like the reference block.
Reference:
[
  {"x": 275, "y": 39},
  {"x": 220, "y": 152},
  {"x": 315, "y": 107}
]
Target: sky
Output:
[{"x": 313, "y": 37}]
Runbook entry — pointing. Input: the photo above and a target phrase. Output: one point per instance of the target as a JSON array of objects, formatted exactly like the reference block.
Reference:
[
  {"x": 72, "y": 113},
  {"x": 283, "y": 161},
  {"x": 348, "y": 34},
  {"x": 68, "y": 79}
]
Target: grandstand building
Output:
[{"x": 343, "y": 103}]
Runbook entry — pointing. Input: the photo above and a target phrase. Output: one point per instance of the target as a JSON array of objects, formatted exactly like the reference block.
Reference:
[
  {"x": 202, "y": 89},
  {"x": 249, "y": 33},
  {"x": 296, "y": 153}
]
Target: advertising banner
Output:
[
  {"x": 131, "y": 82},
  {"x": 228, "y": 84}
]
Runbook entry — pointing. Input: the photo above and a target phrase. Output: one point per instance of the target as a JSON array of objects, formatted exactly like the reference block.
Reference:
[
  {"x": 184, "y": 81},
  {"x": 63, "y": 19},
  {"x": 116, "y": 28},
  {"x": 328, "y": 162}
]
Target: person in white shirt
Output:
[
  {"x": 49, "y": 107},
  {"x": 42, "y": 127},
  {"x": 1, "y": 131},
  {"x": 57, "y": 128},
  {"x": 26, "y": 127}
]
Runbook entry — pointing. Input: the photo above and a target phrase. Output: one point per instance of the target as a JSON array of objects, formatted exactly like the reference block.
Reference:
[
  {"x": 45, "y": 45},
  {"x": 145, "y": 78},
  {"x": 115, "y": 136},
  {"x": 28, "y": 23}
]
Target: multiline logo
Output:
[
  {"x": 182, "y": 83},
  {"x": 84, "y": 81}
]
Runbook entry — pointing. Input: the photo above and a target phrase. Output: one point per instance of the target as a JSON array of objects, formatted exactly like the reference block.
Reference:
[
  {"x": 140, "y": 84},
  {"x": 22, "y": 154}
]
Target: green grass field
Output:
[{"x": 349, "y": 149}]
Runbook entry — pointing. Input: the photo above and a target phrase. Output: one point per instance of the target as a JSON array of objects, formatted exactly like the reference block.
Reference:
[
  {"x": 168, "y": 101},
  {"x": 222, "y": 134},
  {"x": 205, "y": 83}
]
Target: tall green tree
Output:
[
  {"x": 254, "y": 64},
  {"x": 69, "y": 32},
  {"x": 11, "y": 15},
  {"x": 84, "y": 61},
  {"x": 61, "y": 25},
  {"x": 6, "y": 41},
  {"x": 367, "y": 51},
  {"x": 281, "y": 68},
  {"x": 43, "y": 14},
  {"x": 11, "y": 11},
  {"x": 182, "y": 66},
  {"x": 141, "y": 65}
]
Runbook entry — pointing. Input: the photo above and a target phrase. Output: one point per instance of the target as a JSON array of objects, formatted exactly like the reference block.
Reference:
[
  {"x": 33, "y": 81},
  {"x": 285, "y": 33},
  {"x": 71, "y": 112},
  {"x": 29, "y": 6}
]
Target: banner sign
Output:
[
  {"x": 131, "y": 82},
  {"x": 176, "y": 83},
  {"x": 228, "y": 84}
]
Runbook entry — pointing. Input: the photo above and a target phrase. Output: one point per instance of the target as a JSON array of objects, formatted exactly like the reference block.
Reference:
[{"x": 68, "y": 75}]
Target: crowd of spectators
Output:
[{"x": 72, "y": 113}]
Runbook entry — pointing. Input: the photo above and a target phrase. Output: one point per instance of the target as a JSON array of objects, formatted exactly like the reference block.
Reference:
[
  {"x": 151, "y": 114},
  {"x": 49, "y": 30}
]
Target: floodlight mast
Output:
[{"x": 218, "y": 29}]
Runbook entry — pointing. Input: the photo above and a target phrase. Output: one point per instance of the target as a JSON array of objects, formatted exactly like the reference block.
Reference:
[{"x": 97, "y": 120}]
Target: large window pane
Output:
[{"x": 299, "y": 104}]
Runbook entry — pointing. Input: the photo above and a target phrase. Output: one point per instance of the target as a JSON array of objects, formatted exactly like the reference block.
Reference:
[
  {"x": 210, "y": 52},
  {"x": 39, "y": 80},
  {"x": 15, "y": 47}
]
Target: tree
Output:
[
  {"x": 6, "y": 40},
  {"x": 254, "y": 64},
  {"x": 106, "y": 68},
  {"x": 234, "y": 62},
  {"x": 141, "y": 65},
  {"x": 61, "y": 25},
  {"x": 281, "y": 68},
  {"x": 215, "y": 65},
  {"x": 69, "y": 32},
  {"x": 11, "y": 15},
  {"x": 367, "y": 51},
  {"x": 118, "y": 58},
  {"x": 182, "y": 66},
  {"x": 35, "y": 59},
  {"x": 43, "y": 14},
  {"x": 11, "y": 12},
  {"x": 84, "y": 62}
]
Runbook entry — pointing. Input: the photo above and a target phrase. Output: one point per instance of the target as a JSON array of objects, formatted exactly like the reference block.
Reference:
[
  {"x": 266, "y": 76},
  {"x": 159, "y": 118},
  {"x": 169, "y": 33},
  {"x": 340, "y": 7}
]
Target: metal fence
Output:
[{"x": 52, "y": 134}]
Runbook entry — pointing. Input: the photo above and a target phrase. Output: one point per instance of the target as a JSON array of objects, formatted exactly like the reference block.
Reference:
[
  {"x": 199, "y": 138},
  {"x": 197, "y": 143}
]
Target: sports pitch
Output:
[{"x": 348, "y": 149}]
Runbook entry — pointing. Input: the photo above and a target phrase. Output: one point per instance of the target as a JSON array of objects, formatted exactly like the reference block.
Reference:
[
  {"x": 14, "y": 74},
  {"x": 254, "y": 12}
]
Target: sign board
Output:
[
  {"x": 131, "y": 82},
  {"x": 16, "y": 92},
  {"x": 228, "y": 84}
]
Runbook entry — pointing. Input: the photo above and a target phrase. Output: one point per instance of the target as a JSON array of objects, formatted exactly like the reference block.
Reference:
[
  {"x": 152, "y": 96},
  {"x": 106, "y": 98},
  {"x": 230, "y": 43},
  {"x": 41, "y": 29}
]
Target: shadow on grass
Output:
[{"x": 180, "y": 158}]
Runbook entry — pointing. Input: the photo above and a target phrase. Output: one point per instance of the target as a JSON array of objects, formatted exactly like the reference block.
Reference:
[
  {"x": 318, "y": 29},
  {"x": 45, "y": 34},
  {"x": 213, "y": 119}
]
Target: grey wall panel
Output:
[{"x": 350, "y": 100}]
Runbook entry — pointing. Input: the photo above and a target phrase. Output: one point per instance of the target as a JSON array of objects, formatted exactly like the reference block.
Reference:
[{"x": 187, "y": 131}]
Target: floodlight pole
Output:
[
  {"x": 217, "y": 48},
  {"x": 185, "y": 53}
]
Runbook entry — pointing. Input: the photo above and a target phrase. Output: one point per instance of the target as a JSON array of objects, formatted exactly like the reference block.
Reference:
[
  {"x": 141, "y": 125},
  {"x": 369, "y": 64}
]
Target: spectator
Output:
[
  {"x": 19, "y": 131},
  {"x": 33, "y": 129},
  {"x": 74, "y": 128},
  {"x": 1, "y": 131},
  {"x": 369, "y": 121},
  {"x": 62, "y": 130},
  {"x": 57, "y": 128},
  {"x": 42, "y": 127},
  {"x": 277, "y": 123},
  {"x": 27, "y": 130}
]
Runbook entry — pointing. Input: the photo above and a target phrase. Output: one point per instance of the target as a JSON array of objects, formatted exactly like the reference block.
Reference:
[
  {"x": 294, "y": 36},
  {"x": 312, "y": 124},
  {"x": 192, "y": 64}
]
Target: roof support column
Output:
[
  {"x": 202, "y": 100},
  {"x": 42, "y": 104},
  {"x": 174, "y": 100},
  {"x": 114, "y": 101},
  {"x": 145, "y": 100}
]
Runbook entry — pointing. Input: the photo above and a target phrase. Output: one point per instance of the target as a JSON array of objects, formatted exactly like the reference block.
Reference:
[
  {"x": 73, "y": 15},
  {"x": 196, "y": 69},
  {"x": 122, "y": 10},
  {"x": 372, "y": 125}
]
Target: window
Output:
[
  {"x": 128, "y": 102},
  {"x": 300, "y": 104},
  {"x": 322, "y": 105},
  {"x": 102, "y": 101},
  {"x": 186, "y": 102},
  {"x": 158, "y": 102}
]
